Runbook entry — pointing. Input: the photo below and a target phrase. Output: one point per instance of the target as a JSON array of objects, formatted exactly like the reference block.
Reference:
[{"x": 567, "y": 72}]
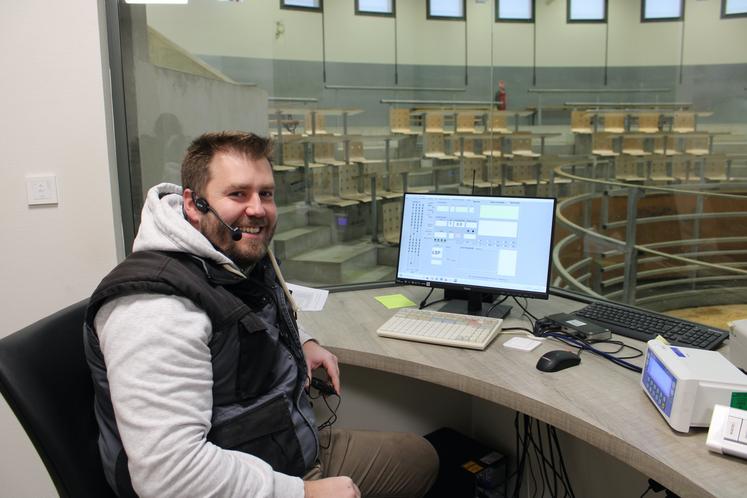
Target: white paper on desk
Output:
[{"x": 307, "y": 298}]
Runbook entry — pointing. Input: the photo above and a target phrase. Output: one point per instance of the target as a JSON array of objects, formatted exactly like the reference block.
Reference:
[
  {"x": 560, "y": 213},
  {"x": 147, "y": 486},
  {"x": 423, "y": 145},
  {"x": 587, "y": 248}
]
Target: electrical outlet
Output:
[{"x": 41, "y": 190}]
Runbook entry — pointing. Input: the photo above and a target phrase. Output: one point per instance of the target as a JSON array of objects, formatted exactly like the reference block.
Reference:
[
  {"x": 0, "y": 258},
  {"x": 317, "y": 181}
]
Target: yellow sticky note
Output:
[{"x": 394, "y": 301}]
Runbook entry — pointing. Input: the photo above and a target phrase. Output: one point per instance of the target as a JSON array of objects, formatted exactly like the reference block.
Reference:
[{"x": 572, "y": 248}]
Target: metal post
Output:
[
  {"x": 279, "y": 151},
  {"x": 539, "y": 108},
  {"x": 346, "y": 143},
  {"x": 374, "y": 212},
  {"x": 388, "y": 183},
  {"x": 586, "y": 213},
  {"x": 631, "y": 256},
  {"x": 604, "y": 210},
  {"x": 461, "y": 160},
  {"x": 595, "y": 273},
  {"x": 308, "y": 180},
  {"x": 361, "y": 184},
  {"x": 696, "y": 221}
]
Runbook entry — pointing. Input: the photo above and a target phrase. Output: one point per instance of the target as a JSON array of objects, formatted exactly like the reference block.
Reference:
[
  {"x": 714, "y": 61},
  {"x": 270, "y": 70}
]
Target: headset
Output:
[{"x": 203, "y": 206}]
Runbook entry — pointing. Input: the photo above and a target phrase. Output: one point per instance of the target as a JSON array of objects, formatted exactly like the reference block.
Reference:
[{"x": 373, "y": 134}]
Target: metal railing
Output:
[{"x": 611, "y": 262}]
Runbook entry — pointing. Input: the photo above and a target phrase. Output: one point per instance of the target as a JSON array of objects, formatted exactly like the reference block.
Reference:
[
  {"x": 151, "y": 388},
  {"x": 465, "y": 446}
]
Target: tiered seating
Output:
[
  {"x": 356, "y": 153},
  {"x": 434, "y": 146},
  {"x": 466, "y": 147},
  {"x": 665, "y": 146},
  {"x": 324, "y": 153},
  {"x": 498, "y": 123},
  {"x": 683, "y": 122},
  {"x": 715, "y": 168},
  {"x": 315, "y": 126},
  {"x": 292, "y": 155},
  {"x": 521, "y": 145},
  {"x": 392, "y": 217},
  {"x": 633, "y": 146},
  {"x": 494, "y": 147},
  {"x": 474, "y": 173},
  {"x": 465, "y": 122},
  {"x": 614, "y": 122},
  {"x": 351, "y": 183},
  {"x": 326, "y": 188},
  {"x": 434, "y": 123},
  {"x": 697, "y": 146},
  {"x": 377, "y": 170},
  {"x": 649, "y": 122},
  {"x": 581, "y": 122},
  {"x": 399, "y": 121},
  {"x": 602, "y": 145},
  {"x": 659, "y": 171},
  {"x": 628, "y": 169}
]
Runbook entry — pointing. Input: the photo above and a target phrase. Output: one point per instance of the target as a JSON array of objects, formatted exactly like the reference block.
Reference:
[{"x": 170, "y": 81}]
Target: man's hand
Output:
[
  {"x": 317, "y": 356},
  {"x": 331, "y": 487}
]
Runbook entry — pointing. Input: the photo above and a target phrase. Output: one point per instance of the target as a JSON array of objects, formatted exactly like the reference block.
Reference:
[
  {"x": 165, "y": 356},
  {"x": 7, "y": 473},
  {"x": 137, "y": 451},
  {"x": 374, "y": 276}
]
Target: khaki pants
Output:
[{"x": 381, "y": 464}]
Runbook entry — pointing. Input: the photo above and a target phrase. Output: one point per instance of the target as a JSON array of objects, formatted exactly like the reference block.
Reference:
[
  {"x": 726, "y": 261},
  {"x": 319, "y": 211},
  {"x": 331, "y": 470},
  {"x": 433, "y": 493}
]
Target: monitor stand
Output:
[{"x": 474, "y": 305}]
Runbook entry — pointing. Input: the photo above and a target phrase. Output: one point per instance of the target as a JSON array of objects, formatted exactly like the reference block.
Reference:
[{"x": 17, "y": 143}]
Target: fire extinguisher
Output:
[{"x": 500, "y": 97}]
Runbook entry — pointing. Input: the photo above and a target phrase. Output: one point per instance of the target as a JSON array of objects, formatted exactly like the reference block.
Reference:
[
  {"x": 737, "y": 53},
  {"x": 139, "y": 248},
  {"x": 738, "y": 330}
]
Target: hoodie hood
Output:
[{"x": 163, "y": 227}]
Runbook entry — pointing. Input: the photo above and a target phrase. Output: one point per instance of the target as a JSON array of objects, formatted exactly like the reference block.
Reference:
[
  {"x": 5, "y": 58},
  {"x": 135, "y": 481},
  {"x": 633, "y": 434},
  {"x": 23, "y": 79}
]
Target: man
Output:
[{"x": 199, "y": 366}]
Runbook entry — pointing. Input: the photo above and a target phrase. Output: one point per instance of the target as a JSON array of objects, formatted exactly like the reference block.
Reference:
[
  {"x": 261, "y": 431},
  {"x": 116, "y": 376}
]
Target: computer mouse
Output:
[{"x": 559, "y": 359}]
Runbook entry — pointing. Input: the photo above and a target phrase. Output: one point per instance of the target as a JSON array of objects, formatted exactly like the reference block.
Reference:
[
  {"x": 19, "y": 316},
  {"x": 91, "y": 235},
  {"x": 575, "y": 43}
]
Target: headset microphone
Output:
[{"x": 203, "y": 206}]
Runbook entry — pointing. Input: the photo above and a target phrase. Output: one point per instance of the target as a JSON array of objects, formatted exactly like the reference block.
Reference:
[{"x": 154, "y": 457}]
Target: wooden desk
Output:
[
  {"x": 596, "y": 402},
  {"x": 483, "y": 112},
  {"x": 279, "y": 113},
  {"x": 502, "y": 137}
]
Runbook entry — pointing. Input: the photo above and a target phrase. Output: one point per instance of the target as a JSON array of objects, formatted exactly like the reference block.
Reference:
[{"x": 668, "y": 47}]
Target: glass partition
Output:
[{"x": 638, "y": 128}]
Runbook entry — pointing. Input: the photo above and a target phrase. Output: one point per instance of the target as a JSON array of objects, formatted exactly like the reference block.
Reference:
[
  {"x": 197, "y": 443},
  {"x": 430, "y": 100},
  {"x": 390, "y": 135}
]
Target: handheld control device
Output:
[{"x": 685, "y": 383}]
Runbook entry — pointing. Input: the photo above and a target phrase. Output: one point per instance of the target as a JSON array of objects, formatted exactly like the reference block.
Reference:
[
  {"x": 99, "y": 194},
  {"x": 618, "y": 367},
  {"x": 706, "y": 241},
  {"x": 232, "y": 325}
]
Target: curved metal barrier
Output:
[{"x": 602, "y": 257}]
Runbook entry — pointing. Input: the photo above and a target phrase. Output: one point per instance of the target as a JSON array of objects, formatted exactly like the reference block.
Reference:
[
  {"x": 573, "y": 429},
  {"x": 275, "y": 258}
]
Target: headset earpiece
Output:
[{"x": 200, "y": 203}]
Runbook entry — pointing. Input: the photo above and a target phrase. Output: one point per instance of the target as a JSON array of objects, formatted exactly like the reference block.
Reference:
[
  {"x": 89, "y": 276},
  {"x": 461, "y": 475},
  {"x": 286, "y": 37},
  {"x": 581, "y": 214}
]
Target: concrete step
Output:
[
  {"x": 291, "y": 216},
  {"x": 378, "y": 273},
  {"x": 295, "y": 241},
  {"x": 332, "y": 265}
]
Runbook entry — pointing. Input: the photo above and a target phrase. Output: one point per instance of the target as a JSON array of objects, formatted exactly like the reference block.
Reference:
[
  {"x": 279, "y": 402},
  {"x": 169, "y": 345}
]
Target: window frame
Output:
[
  {"x": 662, "y": 19},
  {"x": 445, "y": 18},
  {"x": 724, "y": 15},
  {"x": 359, "y": 12},
  {"x": 498, "y": 13},
  {"x": 586, "y": 21},
  {"x": 301, "y": 7}
]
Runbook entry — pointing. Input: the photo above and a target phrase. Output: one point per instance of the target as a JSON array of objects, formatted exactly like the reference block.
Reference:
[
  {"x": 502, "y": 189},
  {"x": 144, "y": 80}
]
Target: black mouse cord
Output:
[{"x": 585, "y": 346}]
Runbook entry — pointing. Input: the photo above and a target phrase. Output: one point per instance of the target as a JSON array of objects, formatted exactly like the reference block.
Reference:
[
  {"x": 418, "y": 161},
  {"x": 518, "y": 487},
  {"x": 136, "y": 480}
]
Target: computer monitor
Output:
[{"x": 476, "y": 246}]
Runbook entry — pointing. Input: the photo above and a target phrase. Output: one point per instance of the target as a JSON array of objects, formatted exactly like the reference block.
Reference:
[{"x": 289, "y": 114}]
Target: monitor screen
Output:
[{"x": 499, "y": 245}]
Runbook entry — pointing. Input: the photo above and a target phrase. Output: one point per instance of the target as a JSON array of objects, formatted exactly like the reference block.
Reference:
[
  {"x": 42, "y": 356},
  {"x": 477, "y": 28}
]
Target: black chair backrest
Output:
[{"x": 45, "y": 379}]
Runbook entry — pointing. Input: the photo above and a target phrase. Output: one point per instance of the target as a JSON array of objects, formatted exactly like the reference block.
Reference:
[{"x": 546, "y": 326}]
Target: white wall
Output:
[{"x": 55, "y": 120}]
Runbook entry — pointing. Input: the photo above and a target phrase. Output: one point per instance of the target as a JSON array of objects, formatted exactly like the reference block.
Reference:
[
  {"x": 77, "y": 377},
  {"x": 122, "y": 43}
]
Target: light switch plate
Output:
[{"x": 41, "y": 189}]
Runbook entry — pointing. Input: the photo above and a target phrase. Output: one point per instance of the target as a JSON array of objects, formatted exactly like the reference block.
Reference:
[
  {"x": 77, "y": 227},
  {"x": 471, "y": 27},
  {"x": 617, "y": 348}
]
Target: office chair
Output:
[{"x": 45, "y": 379}]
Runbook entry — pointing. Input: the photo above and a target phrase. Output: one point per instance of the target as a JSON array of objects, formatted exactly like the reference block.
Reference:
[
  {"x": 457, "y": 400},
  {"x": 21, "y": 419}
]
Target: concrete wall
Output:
[
  {"x": 56, "y": 119},
  {"x": 301, "y": 54},
  {"x": 261, "y": 29}
]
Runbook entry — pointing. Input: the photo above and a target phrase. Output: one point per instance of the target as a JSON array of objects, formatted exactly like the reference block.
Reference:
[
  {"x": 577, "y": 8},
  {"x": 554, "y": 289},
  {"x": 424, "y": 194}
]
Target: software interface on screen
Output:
[{"x": 467, "y": 240}]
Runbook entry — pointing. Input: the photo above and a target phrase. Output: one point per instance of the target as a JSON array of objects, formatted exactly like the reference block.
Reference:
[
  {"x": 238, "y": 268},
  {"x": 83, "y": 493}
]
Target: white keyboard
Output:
[{"x": 447, "y": 329}]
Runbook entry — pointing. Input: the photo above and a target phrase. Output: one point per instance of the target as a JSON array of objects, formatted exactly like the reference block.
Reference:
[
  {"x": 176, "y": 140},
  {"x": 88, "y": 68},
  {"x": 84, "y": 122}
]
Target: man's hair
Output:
[{"x": 202, "y": 150}]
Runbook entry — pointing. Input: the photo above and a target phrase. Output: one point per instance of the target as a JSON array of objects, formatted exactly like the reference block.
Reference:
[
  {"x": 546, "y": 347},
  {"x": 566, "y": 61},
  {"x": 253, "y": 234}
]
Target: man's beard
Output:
[{"x": 245, "y": 252}]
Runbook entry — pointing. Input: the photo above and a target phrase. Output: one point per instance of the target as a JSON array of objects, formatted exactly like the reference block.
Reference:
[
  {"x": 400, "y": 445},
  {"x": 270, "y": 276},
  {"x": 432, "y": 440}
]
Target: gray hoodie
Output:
[{"x": 160, "y": 378}]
